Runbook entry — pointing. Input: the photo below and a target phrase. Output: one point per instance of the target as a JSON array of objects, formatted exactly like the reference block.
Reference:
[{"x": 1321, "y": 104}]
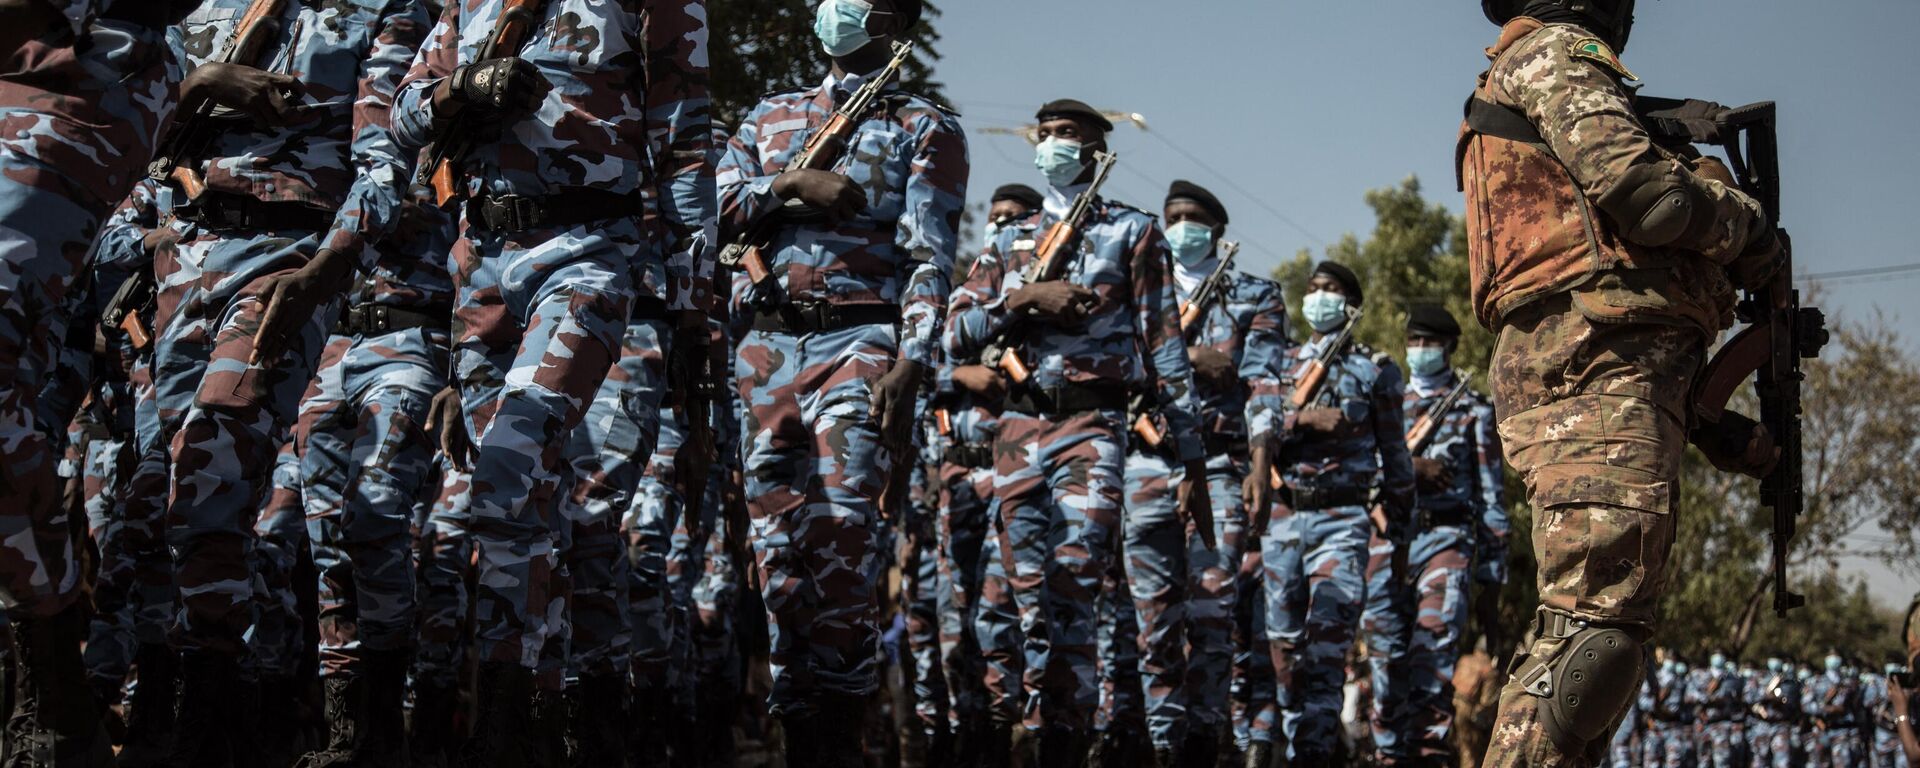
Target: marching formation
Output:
[{"x": 458, "y": 359}]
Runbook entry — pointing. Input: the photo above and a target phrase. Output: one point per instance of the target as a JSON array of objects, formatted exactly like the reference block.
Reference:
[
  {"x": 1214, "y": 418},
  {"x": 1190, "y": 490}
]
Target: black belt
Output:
[
  {"x": 1430, "y": 518},
  {"x": 970, "y": 455},
  {"x": 568, "y": 207},
  {"x": 377, "y": 319},
  {"x": 1304, "y": 499},
  {"x": 648, "y": 309},
  {"x": 221, "y": 210},
  {"x": 1067, "y": 399},
  {"x": 1224, "y": 445},
  {"x": 820, "y": 317}
]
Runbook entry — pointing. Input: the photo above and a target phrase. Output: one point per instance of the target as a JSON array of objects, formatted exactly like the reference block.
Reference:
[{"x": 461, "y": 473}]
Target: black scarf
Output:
[{"x": 1555, "y": 12}]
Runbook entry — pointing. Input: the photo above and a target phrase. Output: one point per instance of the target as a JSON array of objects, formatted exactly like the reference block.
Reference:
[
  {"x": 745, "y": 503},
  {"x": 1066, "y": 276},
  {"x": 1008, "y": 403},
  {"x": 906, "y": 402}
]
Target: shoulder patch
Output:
[{"x": 1595, "y": 50}]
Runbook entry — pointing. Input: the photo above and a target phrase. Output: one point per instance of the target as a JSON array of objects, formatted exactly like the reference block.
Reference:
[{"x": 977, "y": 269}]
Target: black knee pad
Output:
[{"x": 1585, "y": 685}]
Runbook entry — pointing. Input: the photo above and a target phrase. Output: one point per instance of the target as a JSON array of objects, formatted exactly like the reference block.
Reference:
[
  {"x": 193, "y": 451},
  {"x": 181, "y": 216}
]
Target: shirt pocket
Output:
[{"x": 875, "y": 162}]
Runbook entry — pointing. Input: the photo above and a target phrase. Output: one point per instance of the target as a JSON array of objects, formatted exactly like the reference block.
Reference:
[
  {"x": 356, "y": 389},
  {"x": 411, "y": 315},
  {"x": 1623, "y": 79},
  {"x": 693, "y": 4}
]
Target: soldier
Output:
[
  {"x": 967, "y": 423},
  {"x": 81, "y": 113},
  {"x": 553, "y": 250},
  {"x": 1718, "y": 695},
  {"x": 1605, "y": 264},
  {"x": 1106, "y": 331},
  {"x": 1184, "y": 592},
  {"x": 1344, "y": 448},
  {"x": 1831, "y": 702},
  {"x": 1462, "y": 538},
  {"x": 1775, "y": 703},
  {"x": 1669, "y": 742},
  {"x": 841, "y": 341}
]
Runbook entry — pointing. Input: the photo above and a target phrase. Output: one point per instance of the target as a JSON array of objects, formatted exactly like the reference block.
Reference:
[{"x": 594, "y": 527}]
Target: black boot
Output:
[
  {"x": 1260, "y": 755},
  {"x": 996, "y": 745},
  {"x": 1201, "y": 748},
  {"x": 54, "y": 720},
  {"x": 503, "y": 732},
  {"x": 647, "y": 743},
  {"x": 431, "y": 739},
  {"x": 597, "y": 712},
  {"x": 346, "y": 696},
  {"x": 203, "y": 713},
  {"x": 281, "y": 727},
  {"x": 386, "y": 739},
  {"x": 150, "y": 707}
]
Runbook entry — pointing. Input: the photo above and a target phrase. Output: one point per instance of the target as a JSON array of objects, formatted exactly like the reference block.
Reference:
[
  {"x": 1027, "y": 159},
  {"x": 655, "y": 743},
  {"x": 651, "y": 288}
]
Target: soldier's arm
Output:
[
  {"x": 413, "y": 115},
  {"x": 1157, "y": 319},
  {"x": 745, "y": 186},
  {"x": 1586, "y": 117},
  {"x": 1390, "y": 439},
  {"x": 1489, "y": 479},
  {"x": 977, "y": 314},
  {"x": 927, "y": 235},
  {"x": 120, "y": 240},
  {"x": 382, "y": 168},
  {"x": 679, "y": 126},
  {"x": 1262, "y": 355}
]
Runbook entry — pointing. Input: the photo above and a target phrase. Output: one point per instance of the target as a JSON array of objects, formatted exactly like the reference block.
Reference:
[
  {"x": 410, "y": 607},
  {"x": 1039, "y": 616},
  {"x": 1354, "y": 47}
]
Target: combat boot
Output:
[
  {"x": 502, "y": 734},
  {"x": 54, "y": 721},
  {"x": 996, "y": 745},
  {"x": 597, "y": 711},
  {"x": 347, "y": 722},
  {"x": 386, "y": 737},
  {"x": 431, "y": 737},
  {"x": 647, "y": 744},
  {"x": 1260, "y": 755},
  {"x": 1201, "y": 749},
  {"x": 203, "y": 716},
  {"x": 150, "y": 707}
]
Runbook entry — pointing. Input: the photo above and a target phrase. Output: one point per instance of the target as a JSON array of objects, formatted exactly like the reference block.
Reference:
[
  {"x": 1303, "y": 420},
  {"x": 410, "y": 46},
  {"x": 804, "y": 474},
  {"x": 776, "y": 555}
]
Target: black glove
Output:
[{"x": 499, "y": 89}]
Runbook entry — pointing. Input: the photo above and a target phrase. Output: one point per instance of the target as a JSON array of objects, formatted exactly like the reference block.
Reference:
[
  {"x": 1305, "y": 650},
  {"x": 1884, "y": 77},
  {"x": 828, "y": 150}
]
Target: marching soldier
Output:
[
  {"x": 1605, "y": 264},
  {"x": 843, "y": 321},
  {"x": 1718, "y": 694},
  {"x": 1089, "y": 341},
  {"x": 1831, "y": 703},
  {"x": 1669, "y": 741},
  {"x": 1775, "y": 704}
]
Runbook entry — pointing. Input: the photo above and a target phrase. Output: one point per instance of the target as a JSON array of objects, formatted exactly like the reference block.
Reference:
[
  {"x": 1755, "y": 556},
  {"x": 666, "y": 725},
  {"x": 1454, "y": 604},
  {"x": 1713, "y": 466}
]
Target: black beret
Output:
[
  {"x": 1432, "y": 321},
  {"x": 1187, "y": 190},
  {"x": 1019, "y": 193},
  {"x": 1347, "y": 279},
  {"x": 1074, "y": 108},
  {"x": 909, "y": 11}
]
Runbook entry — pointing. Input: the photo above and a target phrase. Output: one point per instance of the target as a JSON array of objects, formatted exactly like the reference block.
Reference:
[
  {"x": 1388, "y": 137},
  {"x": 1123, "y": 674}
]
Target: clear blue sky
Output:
[{"x": 1310, "y": 104}]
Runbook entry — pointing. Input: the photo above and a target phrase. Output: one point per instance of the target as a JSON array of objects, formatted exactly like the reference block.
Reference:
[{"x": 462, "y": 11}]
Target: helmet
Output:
[{"x": 1613, "y": 18}]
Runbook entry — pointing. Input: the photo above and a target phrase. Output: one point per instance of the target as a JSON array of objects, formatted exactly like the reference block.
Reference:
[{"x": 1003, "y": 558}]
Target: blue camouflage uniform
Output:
[
  {"x": 1314, "y": 558},
  {"x": 1718, "y": 694},
  {"x": 1831, "y": 702},
  {"x": 1774, "y": 700},
  {"x": 1887, "y": 752},
  {"x": 1669, "y": 739}
]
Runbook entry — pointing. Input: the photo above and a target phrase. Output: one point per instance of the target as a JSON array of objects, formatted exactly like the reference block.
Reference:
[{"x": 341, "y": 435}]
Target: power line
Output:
[
  {"x": 1903, "y": 270},
  {"x": 1255, "y": 199}
]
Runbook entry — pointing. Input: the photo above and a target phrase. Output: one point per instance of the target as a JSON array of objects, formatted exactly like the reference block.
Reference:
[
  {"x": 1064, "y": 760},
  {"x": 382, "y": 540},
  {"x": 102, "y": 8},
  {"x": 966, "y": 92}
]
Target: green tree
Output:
[{"x": 759, "y": 46}]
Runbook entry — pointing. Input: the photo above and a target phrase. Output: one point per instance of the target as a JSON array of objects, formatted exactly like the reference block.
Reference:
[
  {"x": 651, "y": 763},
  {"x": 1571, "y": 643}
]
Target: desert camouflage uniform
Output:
[
  {"x": 1599, "y": 342},
  {"x": 78, "y": 122},
  {"x": 1462, "y": 539},
  {"x": 1315, "y": 556},
  {"x": 540, "y": 314},
  {"x": 1059, "y": 477},
  {"x": 814, "y": 468}
]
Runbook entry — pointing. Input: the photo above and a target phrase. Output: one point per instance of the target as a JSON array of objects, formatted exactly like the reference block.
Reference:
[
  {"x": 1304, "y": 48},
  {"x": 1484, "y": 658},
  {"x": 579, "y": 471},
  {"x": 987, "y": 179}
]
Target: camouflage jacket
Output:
[
  {"x": 629, "y": 114},
  {"x": 910, "y": 157},
  {"x": 1531, "y": 207},
  {"x": 1132, "y": 334},
  {"x": 1775, "y": 697},
  {"x": 88, "y": 102},
  {"x": 1247, "y": 323},
  {"x": 1664, "y": 698},
  {"x": 1369, "y": 451},
  {"x": 1467, "y": 440},
  {"x": 1833, "y": 698},
  {"x": 1716, "y": 695}
]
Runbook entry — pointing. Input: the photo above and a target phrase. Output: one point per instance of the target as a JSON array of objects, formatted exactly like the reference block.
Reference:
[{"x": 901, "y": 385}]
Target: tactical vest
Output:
[{"x": 1532, "y": 233}]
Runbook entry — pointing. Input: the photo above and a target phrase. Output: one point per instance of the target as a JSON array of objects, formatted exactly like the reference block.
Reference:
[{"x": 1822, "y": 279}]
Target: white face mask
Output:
[{"x": 1059, "y": 159}]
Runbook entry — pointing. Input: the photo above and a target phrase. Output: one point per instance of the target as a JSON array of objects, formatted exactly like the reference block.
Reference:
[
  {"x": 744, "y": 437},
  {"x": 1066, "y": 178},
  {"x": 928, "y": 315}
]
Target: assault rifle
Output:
[
  {"x": 127, "y": 310},
  {"x": 1313, "y": 376},
  {"x": 1191, "y": 313},
  {"x": 1425, "y": 428},
  {"x": 822, "y": 151},
  {"x": 457, "y": 139},
  {"x": 1050, "y": 261},
  {"x": 1779, "y": 333},
  {"x": 192, "y": 133}
]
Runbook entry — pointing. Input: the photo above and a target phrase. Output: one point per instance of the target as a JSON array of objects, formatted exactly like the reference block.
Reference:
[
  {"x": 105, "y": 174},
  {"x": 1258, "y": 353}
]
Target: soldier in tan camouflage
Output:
[{"x": 1606, "y": 263}]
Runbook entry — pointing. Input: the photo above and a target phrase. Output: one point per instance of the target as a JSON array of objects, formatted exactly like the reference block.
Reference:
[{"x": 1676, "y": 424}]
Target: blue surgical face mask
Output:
[
  {"x": 1718, "y": 661},
  {"x": 1773, "y": 665},
  {"x": 1427, "y": 361},
  {"x": 993, "y": 230},
  {"x": 1191, "y": 243},
  {"x": 1059, "y": 159},
  {"x": 841, "y": 25},
  {"x": 1680, "y": 667},
  {"x": 1325, "y": 311},
  {"x": 1833, "y": 663}
]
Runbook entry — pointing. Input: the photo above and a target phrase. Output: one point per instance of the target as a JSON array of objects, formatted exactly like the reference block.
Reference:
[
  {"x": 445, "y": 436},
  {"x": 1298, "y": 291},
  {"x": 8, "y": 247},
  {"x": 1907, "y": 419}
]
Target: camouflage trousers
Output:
[
  {"x": 46, "y": 224},
  {"x": 1772, "y": 744},
  {"x": 1723, "y": 745},
  {"x": 1835, "y": 747},
  {"x": 1252, "y": 699},
  {"x": 607, "y": 454},
  {"x": 1314, "y": 562},
  {"x": 538, "y": 317},
  {"x": 965, "y": 532},
  {"x": 1413, "y": 640},
  {"x": 1593, "y": 417},
  {"x": 1060, "y": 487},
  {"x": 1123, "y": 695},
  {"x": 444, "y": 582},
  {"x": 1183, "y": 594},
  {"x": 1668, "y": 745},
  {"x": 1887, "y": 752},
  {"x": 142, "y": 576},
  {"x": 924, "y": 595},
  {"x": 277, "y": 640},
  {"x": 111, "y": 642},
  {"x": 222, "y": 418},
  {"x": 703, "y": 581},
  {"x": 814, "y": 471},
  {"x": 364, "y": 463}
]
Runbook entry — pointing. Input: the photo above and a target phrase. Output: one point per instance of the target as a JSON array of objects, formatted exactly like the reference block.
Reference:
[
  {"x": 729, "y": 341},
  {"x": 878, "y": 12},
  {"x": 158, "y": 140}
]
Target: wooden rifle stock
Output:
[
  {"x": 509, "y": 34},
  {"x": 1051, "y": 256},
  {"x": 190, "y": 132},
  {"x": 1308, "y": 387}
]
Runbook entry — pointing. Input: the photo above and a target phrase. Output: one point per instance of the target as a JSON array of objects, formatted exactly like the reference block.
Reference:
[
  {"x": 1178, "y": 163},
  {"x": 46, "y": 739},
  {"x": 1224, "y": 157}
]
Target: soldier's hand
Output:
[
  {"x": 1378, "y": 516},
  {"x": 1737, "y": 444},
  {"x": 445, "y": 417},
  {"x": 1058, "y": 302},
  {"x": 1710, "y": 167},
  {"x": 291, "y": 299},
  {"x": 268, "y": 98},
  {"x": 1214, "y": 367},
  {"x": 982, "y": 381},
  {"x": 499, "y": 90},
  {"x": 1761, "y": 261},
  {"x": 1257, "y": 490},
  {"x": 1320, "y": 419},
  {"x": 159, "y": 239},
  {"x": 1431, "y": 476},
  {"x": 895, "y": 397},
  {"x": 825, "y": 191},
  {"x": 24, "y": 22},
  {"x": 1196, "y": 505}
]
